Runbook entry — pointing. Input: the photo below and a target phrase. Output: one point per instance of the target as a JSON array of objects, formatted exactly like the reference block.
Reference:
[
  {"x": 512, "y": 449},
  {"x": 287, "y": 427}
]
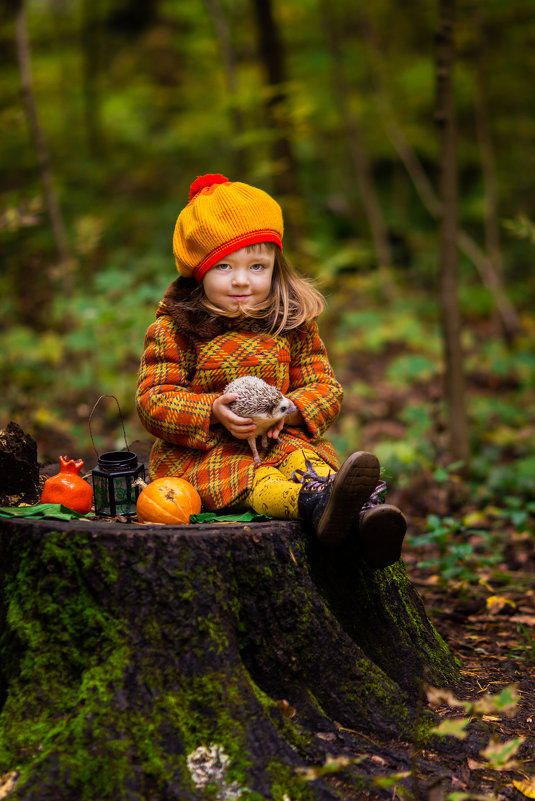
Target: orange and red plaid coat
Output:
[{"x": 181, "y": 375}]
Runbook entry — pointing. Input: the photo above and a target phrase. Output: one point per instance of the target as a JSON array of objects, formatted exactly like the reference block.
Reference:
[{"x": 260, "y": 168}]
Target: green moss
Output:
[
  {"x": 285, "y": 783},
  {"x": 415, "y": 627},
  {"x": 53, "y": 717},
  {"x": 85, "y": 706}
]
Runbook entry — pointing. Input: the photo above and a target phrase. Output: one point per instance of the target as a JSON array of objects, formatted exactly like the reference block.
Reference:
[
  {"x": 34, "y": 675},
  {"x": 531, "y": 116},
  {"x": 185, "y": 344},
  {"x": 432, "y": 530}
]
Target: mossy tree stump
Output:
[{"x": 194, "y": 662}]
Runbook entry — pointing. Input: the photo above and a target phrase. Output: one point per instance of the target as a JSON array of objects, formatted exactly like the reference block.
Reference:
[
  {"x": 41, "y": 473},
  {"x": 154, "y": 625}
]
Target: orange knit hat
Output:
[{"x": 222, "y": 216}]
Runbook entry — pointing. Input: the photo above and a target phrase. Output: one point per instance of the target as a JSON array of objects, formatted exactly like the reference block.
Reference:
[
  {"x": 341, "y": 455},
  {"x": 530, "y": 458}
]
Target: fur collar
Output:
[{"x": 198, "y": 322}]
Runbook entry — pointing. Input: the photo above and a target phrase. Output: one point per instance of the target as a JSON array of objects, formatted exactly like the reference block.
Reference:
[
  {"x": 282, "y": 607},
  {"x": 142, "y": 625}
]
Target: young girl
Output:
[{"x": 239, "y": 309}]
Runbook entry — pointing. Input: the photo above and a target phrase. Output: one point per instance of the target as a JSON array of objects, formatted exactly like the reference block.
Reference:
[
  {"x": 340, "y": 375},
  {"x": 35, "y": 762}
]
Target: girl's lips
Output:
[{"x": 240, "y": 297}]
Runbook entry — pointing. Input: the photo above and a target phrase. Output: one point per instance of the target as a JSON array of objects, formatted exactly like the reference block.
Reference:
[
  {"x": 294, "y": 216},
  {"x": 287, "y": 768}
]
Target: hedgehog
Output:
[{"x": 265, "y": 404}]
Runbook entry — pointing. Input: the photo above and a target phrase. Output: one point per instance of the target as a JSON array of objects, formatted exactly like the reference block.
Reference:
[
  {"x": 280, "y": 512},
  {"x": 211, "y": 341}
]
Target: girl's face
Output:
[{"x": 242, "y": 278}]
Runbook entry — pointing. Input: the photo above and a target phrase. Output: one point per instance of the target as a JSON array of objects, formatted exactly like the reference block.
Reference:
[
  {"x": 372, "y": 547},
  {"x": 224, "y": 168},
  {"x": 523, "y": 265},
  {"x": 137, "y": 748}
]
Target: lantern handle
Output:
[{"x": 120, "y": 415}]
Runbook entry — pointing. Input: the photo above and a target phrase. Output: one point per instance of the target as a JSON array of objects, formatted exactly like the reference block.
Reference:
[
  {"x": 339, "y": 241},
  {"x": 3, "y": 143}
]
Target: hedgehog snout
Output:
[{"x": 287, "y": 407}]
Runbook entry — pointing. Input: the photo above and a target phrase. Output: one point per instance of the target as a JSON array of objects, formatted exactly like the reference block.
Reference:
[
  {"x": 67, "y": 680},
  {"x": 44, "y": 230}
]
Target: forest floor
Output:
[
  {"x": 470, "y": 552},
  {"x": 488, "y": 624},
  {"x": 490, "y": 753}
]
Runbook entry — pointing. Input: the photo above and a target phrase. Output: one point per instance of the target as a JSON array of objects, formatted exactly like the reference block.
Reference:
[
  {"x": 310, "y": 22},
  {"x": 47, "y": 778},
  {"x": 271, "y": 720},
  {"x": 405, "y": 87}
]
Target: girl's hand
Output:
[
  {"x": 293, "y": 419},
  {"x": 239, "y": 427},
  {"x": 275, "y": 430}
]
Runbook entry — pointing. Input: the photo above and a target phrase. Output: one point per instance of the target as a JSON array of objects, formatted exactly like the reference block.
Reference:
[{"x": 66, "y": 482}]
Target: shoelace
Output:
[
  {"x": 311, "y": 479},
  {"x": 377, "y": 497},
  {"x": 315, "y": 483}
]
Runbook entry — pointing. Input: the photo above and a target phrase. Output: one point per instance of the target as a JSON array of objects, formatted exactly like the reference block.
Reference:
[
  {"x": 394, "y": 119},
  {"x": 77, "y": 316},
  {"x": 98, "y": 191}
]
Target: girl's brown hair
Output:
[{"x": 293, "y": 299}]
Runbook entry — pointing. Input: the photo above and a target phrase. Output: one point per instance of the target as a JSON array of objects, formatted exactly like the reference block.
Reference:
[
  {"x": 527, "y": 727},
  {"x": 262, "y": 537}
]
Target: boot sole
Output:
[
  {"x": 353, "y": 485},
  {"x": 381, "y": 535}
]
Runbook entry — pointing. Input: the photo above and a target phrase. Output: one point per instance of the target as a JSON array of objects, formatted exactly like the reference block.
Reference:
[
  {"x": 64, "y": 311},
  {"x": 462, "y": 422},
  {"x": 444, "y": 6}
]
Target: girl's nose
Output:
[{"x": 240, "y": 277}]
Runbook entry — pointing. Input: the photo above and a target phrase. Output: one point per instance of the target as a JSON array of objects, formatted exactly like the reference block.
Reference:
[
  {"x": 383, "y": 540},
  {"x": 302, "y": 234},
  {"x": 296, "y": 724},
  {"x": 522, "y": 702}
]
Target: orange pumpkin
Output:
[
  {"x": 168, "y": 500},
  {"x": 68, "y": 487}
]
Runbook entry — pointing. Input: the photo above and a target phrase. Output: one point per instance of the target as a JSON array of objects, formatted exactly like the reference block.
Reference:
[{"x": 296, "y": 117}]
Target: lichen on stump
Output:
[{"x": 198, "y": 662}]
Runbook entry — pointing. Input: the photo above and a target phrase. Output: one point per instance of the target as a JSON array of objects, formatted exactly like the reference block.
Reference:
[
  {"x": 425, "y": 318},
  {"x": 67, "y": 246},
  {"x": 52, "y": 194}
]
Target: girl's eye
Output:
[
  {"x": 223, "y": 266},
  {"x": 257, "y": 267}
]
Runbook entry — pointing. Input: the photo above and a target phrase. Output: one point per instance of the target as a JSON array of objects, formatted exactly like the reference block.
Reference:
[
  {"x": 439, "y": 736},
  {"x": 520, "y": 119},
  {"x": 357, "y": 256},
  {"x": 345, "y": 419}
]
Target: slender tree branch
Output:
[
  {"x": 37, "y": 134},
  {"x": 484, "y": 264},
  {"x": 357, "y": 154},
  {"x": 230, "y": 70}
]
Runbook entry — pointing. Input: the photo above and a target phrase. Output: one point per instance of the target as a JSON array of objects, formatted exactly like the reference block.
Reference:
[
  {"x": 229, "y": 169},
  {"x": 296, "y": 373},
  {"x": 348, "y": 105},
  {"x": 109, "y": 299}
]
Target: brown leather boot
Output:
[
  {"x": 382, "y": 528},
  {"x": 331, "y": 505}
]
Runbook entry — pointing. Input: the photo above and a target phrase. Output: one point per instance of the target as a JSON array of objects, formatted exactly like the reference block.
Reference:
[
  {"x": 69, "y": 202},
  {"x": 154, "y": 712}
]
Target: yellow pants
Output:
[{"x": 274, "y": 493}]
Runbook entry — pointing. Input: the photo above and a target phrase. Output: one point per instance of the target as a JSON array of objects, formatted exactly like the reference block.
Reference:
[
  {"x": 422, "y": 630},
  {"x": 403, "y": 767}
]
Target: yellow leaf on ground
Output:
[
  {"x": 526, "y": 787},
  {"x": 495, "y": 604},
  {"x": 8, "y": 782}
]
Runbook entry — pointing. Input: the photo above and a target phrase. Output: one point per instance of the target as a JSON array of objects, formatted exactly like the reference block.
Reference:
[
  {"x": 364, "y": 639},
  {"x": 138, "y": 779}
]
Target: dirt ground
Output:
[
  {"x": 495, "y": 645},
  {"x": 489, "y": 627}
]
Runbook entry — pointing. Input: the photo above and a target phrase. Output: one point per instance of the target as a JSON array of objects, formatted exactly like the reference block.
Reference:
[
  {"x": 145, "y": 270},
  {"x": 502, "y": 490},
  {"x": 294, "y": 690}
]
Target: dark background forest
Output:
[{"x": 110, "y": 109}]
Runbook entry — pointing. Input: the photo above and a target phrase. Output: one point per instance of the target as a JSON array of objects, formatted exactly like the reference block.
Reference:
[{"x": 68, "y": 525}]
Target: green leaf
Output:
[
  {"x": 331, "y": 765},
  {"x": 499, "y": 754},
  {"x": 453, "y": 727},
  {"x": 389, "y": 781}
]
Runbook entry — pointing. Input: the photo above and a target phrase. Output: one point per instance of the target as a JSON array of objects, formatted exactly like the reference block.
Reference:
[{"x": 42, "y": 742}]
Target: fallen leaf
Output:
[
  {"x": 526, "y": 787},
  {"x": 473, "y": 765},
  {"x": 378, "y": 760},
  {"x": 286, "y": 709},
  {"x": 527, "y": 620},
  {"x": 474, "y": 519},
  {"x": 496, "y": 603},
  {"x": 8, "y": 782}
]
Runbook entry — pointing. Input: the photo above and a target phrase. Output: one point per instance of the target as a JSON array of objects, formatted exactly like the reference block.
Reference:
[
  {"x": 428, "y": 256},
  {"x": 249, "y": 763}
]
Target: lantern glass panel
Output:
[
  {"x": 113, "y": 484},
  {"x": 101, "y": 494}
]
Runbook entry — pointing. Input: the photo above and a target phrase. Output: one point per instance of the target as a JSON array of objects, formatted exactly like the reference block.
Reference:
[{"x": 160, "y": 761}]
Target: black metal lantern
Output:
[{"x": 114, "y": 478}]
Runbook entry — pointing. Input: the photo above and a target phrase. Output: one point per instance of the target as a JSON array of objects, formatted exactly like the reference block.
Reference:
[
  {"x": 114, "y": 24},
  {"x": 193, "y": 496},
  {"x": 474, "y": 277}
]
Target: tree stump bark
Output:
[
  {"x": 19, "y": 469},
  {"x": 200, "y": 662}
]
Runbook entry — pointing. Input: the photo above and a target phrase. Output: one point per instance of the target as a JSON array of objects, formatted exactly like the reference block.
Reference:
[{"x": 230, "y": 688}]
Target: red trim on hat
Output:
[{"x": 237, "y": 243}]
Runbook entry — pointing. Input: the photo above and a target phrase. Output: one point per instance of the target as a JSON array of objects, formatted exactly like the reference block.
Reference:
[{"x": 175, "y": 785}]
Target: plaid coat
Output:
[{"x": 182, "y": 373}]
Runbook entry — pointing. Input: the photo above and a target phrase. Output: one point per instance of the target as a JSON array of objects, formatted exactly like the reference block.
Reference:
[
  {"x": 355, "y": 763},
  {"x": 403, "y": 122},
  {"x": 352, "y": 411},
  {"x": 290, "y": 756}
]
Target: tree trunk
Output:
[
  {"x": 36, "y": 132},
  {"x": 358, "y": 157},
  {"x": 278, "y": 121},
  {"x": 508, "y": 318},
  {"x": 484, "y": 264},
  {"x": 228, "y": 58},
  {"x": 92, "y": 63},
  {"x": 454, "y": 384},
  {"x": 136, "y": 659}
]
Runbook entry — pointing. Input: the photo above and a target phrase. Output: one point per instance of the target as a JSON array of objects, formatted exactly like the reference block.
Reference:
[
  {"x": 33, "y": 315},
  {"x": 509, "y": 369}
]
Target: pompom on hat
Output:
[{"x": 222, "y": 216}]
